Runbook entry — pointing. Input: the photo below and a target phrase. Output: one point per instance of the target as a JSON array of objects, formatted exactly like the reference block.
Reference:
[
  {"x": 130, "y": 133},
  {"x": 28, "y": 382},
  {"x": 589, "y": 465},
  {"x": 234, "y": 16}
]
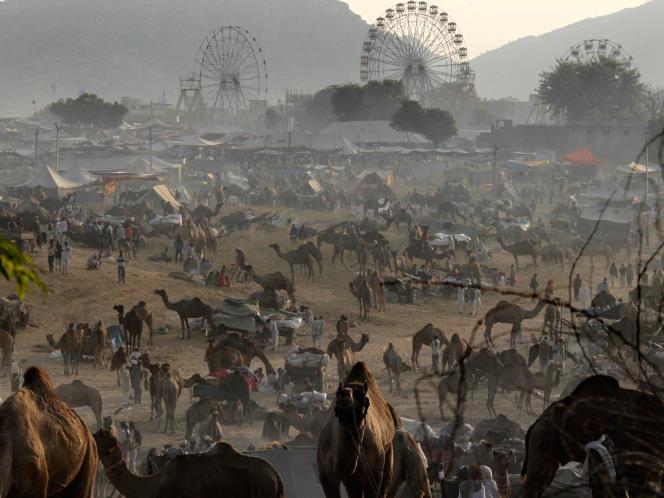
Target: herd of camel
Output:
[{"x": 361, "y": 444}]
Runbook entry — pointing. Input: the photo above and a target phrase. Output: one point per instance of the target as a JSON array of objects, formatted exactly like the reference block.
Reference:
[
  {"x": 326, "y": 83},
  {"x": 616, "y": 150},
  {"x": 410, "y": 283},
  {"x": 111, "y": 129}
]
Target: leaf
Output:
[{"x": 18, "y": 266}]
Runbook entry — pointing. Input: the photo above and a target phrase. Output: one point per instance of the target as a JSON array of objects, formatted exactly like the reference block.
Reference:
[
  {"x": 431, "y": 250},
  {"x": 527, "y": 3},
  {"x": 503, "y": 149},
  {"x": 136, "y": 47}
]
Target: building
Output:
[{"x": 612, "y": 143}]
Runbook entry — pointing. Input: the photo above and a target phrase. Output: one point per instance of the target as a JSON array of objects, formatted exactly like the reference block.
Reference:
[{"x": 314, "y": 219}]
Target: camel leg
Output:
[
  {"x": 330, "y": 488},
  {"x": 442, "y": 396},
  {"x": 389, "y": 377},
  {"x": 186, "y": 322},
  {"x": 398, "y": 380}
]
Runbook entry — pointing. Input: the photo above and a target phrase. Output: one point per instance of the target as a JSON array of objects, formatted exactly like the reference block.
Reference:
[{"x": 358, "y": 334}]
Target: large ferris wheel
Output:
[
  {"x": 593, "y": 49},
  {"x": 417, "y": 44},
  {"x": 230, "y": 70}
]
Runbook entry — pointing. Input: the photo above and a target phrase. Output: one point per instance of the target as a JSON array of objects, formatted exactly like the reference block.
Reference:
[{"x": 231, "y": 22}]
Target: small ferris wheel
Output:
[
  {"x": 594, "y": 49},
  {"x": 231, "y": 70},
  {"x": 417, "y": 44}
]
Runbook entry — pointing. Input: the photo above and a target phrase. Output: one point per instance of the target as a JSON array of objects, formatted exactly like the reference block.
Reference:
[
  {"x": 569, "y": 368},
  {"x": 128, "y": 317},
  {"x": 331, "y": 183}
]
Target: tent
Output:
[
  {"x": 78, "y": 175},
  {"x": 48, "y": 179},
  {"x": 157, "y": 195},
  {"x": 581, "y": 157}
]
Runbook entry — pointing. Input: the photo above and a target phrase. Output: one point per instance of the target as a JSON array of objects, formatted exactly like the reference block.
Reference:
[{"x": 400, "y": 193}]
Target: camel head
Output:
[
  {"x": 351, "y": 404},
  {"x": 160, "y": 292},
  {"x": 364, "y": 339},
  {"x": 119, "y": 308},
  {"x": 108, "y": 447},
  {"x": 108, "y": 422}
]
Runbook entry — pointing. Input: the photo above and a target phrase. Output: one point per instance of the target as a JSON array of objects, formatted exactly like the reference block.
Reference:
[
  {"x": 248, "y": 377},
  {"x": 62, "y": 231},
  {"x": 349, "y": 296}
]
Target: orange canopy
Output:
[{"x": 582, "y": 157}]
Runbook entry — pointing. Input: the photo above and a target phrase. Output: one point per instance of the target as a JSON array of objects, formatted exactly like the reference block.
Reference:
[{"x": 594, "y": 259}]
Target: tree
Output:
[
  {"x": 18, "y": 266},
  {"x": 88, "y": 110},
  {"x": 436, "y": 125},
  {"x": 272, "y": 119},
  {"x": 377, "y": 100},
  {"x": 600, "y": 90}
]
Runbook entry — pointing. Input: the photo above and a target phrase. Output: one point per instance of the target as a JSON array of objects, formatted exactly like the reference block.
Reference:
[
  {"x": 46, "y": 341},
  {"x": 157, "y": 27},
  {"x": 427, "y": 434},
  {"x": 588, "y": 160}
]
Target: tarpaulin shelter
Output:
[
  {"x": 51, "y": 181},
  {"x": 581, "y": 157},
  {"x": 157, "y": 196},
  {"x": 613, "y": 223},
  {"x": 78, "y": 175}
]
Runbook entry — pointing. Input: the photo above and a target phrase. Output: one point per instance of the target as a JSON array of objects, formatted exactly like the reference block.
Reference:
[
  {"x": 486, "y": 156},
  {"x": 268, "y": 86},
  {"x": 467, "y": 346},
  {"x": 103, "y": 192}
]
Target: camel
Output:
[
  {"x": 506, "y": 312},
  {"x": 361, "y": 424},
  {"x": 500, "y": 424},
  {"x": 186, "y": 309},
  {"x": 451, "y": 384},
  {"x": 296, "y": 258},
  {"x": 423, "y": 337},
  {"x": 197, "y": 413},
  {"x": 212, "y": 427},
  {"x": 394, "y": 365},
  {"x": 225, "y": 358},
  {"x": 275, "y": 281},
  {"x": 457, "y": 349},
  {"x": 234, "y": 390},
  {"x": 361, "y": 290},
  {"x": 76, "y": 394},
  {"x": 343, "y": 348},
  {"x": 45, "y": 448},
  {"x": 169, "y": 389},
  {"x": 630, "y": 418},
  {"x": 521, "y": 248},
  {"x": 268, "y": 298},
  {"x": 246, "y": 347},
  {"x": 7, "y": 348},
  {"x": 502, "y": 459},
  {"x": 132, "y": 322},
  {"x": 203, "y": 212},
  {"x": 118, "y": 360},
  {"x": 419, "y": 249},
  {"x": 211, "y": 239},
  {"x": 521, "y": 379},
  {"x": 70, "y": 345},
  {"x": 315, "y": 253},
  {"x": 99, "y": 338},
  {"x": 594, "y": 249},
  {"x": 377, "y": 290},
  {"x": 219, "y": 470},
  {"x": 409, "y": 470}
]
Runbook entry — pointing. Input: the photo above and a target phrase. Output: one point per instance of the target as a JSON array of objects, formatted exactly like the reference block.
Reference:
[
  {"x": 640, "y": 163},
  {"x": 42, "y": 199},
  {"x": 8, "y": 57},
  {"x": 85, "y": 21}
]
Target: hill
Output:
[
  {"x": 513, "y": 70},
  {"x": 140, "y": 49}
]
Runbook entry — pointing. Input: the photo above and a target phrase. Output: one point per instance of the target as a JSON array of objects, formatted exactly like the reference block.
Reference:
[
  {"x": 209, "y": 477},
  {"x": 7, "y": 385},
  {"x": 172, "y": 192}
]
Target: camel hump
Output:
[
  {"x": 596, "y": 385},
  {"x": 77, "y": 382},
  {"x": 360, "y": 373},
  {"x": 37, "y": 380}
]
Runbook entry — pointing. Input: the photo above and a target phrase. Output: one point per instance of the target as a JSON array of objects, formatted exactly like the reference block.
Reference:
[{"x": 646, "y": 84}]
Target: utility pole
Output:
[
  {"x": 36, "y": 145},
  {"x": 58, "y": 127},
  {"x": 495, "y": 172},
  {"x": 150, "y": 146},
  {"x": 647, "y": 168}
]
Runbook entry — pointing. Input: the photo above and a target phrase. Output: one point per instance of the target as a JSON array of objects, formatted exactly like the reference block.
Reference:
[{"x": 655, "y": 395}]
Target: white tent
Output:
[
  {"x": 47, "y": 178},
  {"x": 78, "y": 175}
]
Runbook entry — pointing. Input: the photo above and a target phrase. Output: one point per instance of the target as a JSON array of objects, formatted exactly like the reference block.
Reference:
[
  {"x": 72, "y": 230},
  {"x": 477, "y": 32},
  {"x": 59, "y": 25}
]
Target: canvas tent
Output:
[
  {"x": 613, "y": 223},
  {"x": 78, "y": 175},
  {"x": 48, "y": 179},
  {"x": 581, "y": 157},
  {"x": 157, "y": 195}
]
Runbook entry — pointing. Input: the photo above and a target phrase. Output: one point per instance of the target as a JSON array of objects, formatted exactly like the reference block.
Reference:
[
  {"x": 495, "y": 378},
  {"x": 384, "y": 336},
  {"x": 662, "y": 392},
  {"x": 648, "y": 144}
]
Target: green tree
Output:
[
  {"x": 436, "y": 125},
  {"x": 602, "y": 89},
  {"x": 349, "y": 103},
  {"x": 17, "y": 266},
  {"x": 88, "y": 110},
  {"x": 317, "y": 113}
]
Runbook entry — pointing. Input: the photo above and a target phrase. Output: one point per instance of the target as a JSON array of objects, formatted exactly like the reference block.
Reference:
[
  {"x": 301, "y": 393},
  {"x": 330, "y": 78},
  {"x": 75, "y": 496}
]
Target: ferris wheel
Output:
[
  {"x": 231, "y": 70},
  {"x": 417, "y": 44},
  {"x": 594, "y": 49}
]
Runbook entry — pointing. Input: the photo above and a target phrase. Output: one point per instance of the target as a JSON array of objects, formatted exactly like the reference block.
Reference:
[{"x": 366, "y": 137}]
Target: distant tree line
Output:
[{"x": 89, "y": 111}]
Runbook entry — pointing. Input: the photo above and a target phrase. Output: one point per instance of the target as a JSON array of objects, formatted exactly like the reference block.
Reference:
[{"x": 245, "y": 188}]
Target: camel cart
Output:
[{"x": 306, "y": 365}]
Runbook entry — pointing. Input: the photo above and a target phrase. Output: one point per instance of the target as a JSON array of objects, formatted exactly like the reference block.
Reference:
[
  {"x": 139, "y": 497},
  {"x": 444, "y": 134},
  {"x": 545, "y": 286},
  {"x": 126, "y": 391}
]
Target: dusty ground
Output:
[{"x": 89, "y": 296}]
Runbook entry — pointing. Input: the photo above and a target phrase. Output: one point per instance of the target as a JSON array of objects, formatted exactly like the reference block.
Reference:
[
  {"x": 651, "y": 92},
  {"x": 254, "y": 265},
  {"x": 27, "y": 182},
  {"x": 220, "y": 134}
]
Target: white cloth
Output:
[
  {"x": 598, "y": 447},
  {"x": 274, "y": 331}
]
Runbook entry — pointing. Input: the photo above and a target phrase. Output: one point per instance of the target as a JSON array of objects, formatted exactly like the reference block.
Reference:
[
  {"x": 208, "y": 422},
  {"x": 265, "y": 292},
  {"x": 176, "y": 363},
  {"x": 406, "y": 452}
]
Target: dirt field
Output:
[{"x": 89, "y": 296}]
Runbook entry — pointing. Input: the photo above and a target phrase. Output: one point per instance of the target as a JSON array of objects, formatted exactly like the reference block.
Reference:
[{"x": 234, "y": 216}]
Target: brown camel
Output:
[
  {"x": 77, "y": 395},
  {"x": 521, "y": 248},
  {"x": 118, "y": 360},
  {"x": 409, "y": 470},
  {"x": 361, "y": 290},
  {"x": 197, "y": 413},
  {"x": 343, "y": 348},
  {"x": 221, "y": 470},
  {"x": 70, "y": 345},
  {"x": 419, "y": 249},
  {"x": 394, "y": 365},
  {"x": 169, "y": 390},
  {"x": 211, "y": 239},
  {"x": 506, "y": 312},
  {"x": 7, "y": 348},
  {"x": 423, "y": 337},
  {"x": 248, "y": 348},
  {"x": 377, "y": 290},
  {"x": 310, "y": 248},
  {"x": 132, "y": 322},
  {"x": 311, "y": 424},
  {"x": 457, "y": 349},
  {"x": 45, "y": 448},
  {"x": 202, "y": 212},
  {"x": 356, "y": 445},
  {"x": 502, "y": 459},
  {"x": 275, "y": 281},
  {"x": 268, "y": 298},
  {"x": 226, "y": 357},
  {"x": 186, "y": 309},
  {"x": 500, "y": 424},
  {"x": 296, "y": 258},
  {"x": 212, "y": 427},
  {"x": 99, "y": 338},
  {"x": 523, "y": 380},
  {"x": 633, "y": 421}
]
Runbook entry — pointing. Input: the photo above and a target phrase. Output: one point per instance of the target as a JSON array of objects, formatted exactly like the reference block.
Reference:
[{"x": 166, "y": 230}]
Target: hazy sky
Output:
[{"x": 488, "y": 24}]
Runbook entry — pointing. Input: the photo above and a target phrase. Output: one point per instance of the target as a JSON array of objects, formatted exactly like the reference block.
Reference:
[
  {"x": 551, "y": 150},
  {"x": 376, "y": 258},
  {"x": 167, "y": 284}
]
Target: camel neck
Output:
[{"x": 128, "y": 484}]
